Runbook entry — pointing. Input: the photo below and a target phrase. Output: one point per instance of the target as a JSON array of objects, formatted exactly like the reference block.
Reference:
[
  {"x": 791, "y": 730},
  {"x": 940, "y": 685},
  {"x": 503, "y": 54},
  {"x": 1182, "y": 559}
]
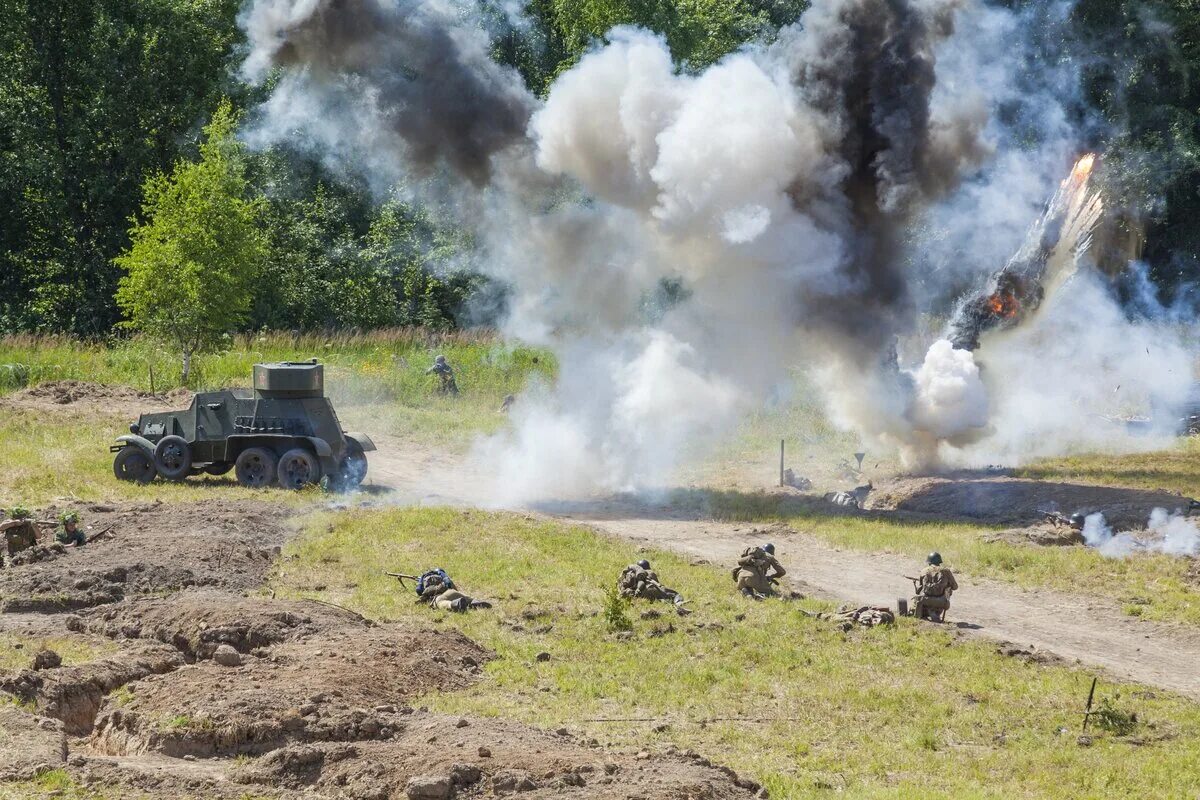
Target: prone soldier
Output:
[{"x": 638, "y": 580}]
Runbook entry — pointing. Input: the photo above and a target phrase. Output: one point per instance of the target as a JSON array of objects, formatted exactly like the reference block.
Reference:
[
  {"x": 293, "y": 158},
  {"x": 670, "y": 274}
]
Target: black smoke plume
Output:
[{"x": 427, "y": 77}]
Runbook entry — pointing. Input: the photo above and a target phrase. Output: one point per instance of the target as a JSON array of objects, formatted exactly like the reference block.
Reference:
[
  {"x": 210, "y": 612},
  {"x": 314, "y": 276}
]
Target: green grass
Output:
[
  {"x": 1175, "y": 470},
  {"x": 1159, "y": 587},
  {"x": 904, "y": 712},
  {"x": 364, "y": 372},
  {"x": 17, "y": 652}
]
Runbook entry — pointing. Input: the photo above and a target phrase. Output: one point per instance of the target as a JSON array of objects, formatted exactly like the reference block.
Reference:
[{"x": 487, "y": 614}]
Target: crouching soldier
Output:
[
  {"x": 934, "y": 586},
  {"x": 445, "y": 373},
  {"x": 758, "y": 572},
  {"x": 638, "y": 580},
  {"x": 68, "y": 530},
  {"x": 437, "y": 590}
]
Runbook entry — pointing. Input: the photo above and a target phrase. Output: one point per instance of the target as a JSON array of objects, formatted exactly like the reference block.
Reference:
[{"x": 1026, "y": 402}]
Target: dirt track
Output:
[
  {"x": 1088, "y": 629},
  {"x": 1072, "y": 627}
]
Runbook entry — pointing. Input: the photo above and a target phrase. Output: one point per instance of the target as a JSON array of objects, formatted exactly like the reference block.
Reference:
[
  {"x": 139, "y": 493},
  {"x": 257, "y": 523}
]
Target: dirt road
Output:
[{"x": 1088, "y": 629}]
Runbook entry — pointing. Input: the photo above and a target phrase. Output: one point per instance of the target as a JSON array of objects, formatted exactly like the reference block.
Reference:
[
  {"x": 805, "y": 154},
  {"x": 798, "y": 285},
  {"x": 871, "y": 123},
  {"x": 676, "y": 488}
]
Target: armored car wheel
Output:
[
  {"x": 255, "y": 467},
  {"x": 218, "y": 467},
  {"x": 298, "y": 468},
  {"x": 173, "y": 458},
  {"x": 131, "y": 464}
]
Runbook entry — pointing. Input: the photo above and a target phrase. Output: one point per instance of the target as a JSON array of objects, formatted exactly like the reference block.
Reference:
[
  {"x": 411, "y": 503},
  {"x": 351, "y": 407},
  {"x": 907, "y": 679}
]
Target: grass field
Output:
[
  {"x": 898, "y": 713},
  {"x": 377, "y": 378}
]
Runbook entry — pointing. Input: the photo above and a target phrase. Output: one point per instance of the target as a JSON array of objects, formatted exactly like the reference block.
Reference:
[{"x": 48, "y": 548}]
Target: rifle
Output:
[
  {"x": 96, "y": 536},
  {"x": 400, "y": 576}
]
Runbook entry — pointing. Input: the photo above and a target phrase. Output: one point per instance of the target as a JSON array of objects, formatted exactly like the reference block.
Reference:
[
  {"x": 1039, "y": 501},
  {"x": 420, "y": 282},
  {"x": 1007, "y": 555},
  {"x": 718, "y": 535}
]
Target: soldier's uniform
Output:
[
  {"x": 446, "y": 383},
  {"x": 936, "y": 584},
  {"x": 438, "y": 590},
  {"x": 757, "y": 571},
  {"x": 638, "y": 581},
  {"x": 68, "y": 533}
]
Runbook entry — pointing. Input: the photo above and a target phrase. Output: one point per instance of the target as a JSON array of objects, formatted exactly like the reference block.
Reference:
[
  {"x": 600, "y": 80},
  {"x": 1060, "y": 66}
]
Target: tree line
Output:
[{"x": 111, "y": 110}]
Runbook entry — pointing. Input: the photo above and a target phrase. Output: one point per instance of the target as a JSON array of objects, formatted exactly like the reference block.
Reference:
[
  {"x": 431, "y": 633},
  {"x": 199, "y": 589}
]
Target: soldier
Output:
[
  {"x": 441, "y": 367},
  {"x": 934, "y": 586},
  {"x": 19, "y": 531},
  {"x": 638, "y": 580},
  {"x": 758, "y": 571},
  {"x": 68, "y": 530},
  {"x": 437, "y": 589},
  {"x": 507, "y": 404}
]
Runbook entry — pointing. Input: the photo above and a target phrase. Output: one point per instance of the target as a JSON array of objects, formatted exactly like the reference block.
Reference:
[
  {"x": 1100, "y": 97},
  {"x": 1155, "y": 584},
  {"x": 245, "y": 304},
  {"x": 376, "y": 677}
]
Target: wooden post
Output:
[
  {"x": 152, "y": 380},
  {"x": 1087, "y": 712},
  {"x": 781, "y": 462}
]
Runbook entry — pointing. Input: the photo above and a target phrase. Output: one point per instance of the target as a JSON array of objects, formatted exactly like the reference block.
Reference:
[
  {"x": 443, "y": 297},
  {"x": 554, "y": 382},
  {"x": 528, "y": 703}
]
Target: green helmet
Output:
[
  {"x": 934, "y": 558},
  {"x": 19, "y": 512},
  {"x": 68, "y": 516}
]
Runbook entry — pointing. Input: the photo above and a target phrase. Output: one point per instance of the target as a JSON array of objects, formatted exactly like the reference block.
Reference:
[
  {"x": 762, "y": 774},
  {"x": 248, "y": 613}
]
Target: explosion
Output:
[{"x": 679, "y": 238}]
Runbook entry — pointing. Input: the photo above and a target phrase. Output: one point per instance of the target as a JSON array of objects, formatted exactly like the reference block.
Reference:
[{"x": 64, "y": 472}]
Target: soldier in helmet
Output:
[
  {"x": 68, "y": 530},
  {"x": 934, "y": 586},
  {"x": 436, "y": 589},
  {"x": 758, "y": 571},
  {"x": 441, "y": 367},
  {"x": 638, "y": 580}
]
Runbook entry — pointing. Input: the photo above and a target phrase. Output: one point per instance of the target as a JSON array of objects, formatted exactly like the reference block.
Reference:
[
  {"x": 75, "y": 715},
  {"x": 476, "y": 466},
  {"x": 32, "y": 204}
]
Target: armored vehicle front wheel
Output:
[
  {"x": 255, "y": 467},
  {"x": 131, "y": 464},
  {"x": 298, "y": 468},
  {"x": 173, "y": 458}
]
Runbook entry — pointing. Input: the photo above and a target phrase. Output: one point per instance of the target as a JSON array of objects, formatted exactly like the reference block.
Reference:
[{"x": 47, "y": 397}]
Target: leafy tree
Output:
[
  {"x": 190, "y": 272},
  {"x": 93, "y": 96}
]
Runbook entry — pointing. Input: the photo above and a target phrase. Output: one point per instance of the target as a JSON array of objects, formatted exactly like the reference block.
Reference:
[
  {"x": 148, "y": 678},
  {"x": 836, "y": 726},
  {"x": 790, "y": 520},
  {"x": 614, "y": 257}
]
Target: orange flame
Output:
[
  {"x": 1083, "y": 168},
  {"x": 1003, "y": 305}
]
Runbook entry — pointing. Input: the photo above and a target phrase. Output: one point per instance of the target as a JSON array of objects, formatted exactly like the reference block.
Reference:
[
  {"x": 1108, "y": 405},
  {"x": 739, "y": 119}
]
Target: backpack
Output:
[{"x": 438, "y": 572}]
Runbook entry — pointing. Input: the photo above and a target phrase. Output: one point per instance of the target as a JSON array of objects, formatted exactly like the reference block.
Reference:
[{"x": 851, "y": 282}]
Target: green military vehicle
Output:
[{"x": 283, "y": 432}]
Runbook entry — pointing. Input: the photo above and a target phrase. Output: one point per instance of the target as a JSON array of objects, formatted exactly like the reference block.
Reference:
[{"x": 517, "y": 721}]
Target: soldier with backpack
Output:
[
  {"x": 934, "y": 586},
  {"x": 758, "y": 572},
  {"x": 436, "y": 589}
]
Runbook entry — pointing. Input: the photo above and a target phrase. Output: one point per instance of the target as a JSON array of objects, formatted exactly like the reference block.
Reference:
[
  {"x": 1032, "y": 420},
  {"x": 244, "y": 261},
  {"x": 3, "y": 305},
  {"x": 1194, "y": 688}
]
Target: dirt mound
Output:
[
  {"x": 1038, "y": 536},
  {"x": 73, "y": 694},
  {"x": 56, "y": 395},
  {"x": 343, "y": 685},
  {"x": 489, "y": 758},
  {"x": 152, "y": 548},
  {"x": 197, "y": 622},
  {"x": 1016, "y": 501},
  {"x": 29, "y": 745}
]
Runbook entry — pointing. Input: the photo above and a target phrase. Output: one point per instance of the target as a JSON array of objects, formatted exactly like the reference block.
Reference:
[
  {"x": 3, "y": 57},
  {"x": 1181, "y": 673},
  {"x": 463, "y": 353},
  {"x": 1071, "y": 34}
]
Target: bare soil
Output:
[
  {"x": 998, "y": 499},
  {"x": 216, "y": 690},
  {"x": 57, "y": 396},
  {"x": 151, "y": 547}
]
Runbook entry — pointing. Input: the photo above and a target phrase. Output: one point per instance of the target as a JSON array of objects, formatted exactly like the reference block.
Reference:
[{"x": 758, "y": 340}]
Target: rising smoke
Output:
[
  {"x": 681, "y": 239},
  {"x": 1170, "y": 534}
]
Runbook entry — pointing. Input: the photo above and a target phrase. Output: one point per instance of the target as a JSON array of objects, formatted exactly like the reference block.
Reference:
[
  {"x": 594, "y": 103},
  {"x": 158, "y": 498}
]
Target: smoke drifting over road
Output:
[{"x": 681, "y": 239}]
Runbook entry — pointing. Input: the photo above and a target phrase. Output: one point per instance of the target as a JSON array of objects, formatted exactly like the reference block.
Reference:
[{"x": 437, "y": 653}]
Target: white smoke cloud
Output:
[
  {"x": 680, "y": 239},
  {"x": 1169, "y": 534}
]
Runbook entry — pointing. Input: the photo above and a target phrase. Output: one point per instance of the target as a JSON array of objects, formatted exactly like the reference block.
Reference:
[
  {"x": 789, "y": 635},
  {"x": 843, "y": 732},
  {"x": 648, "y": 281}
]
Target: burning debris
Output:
[{"x": 1048, "y": 258}]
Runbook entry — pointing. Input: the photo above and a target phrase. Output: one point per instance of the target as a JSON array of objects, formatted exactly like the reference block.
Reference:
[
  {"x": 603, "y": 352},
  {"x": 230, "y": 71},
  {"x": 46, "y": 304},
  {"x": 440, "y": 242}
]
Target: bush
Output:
[{"x": 616, "y": 610}]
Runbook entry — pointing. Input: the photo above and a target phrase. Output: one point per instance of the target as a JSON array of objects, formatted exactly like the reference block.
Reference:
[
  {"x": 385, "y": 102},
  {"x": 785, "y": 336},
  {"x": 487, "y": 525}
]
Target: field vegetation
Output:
[{"x": 790, "y": 699}]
